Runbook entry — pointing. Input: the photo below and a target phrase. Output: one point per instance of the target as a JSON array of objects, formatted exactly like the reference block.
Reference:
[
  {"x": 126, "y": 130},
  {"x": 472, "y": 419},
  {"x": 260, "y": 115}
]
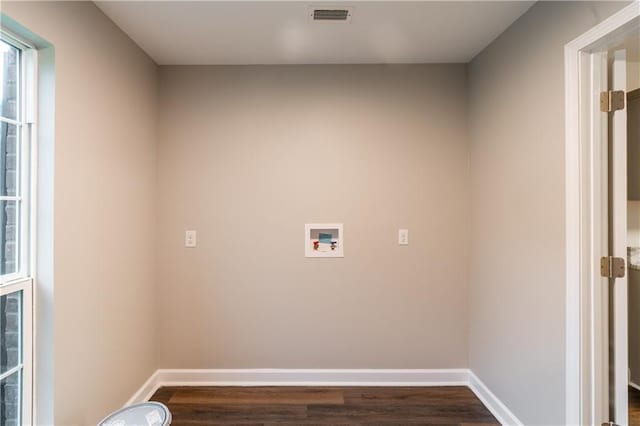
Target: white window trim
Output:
[
  {"x": 24, "y": 285},
  {"x": 24, "y": 277}
]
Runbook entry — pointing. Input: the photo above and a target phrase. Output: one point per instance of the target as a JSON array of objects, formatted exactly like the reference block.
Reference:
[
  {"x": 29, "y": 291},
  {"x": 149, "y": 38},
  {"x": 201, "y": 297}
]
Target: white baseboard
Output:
[
  {"x": 493, "y": 404},
  {"x": 319, "y": 377},
  {"x": 146, "y": 391}
]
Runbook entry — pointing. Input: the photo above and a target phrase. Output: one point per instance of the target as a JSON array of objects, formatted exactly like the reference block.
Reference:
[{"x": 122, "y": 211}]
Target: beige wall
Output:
[
  {"x": 633, "y": 223},
  {"x": 248, "y": 155},
  {"x": 633, "y": 74},
  {"x": 105, "y": 123},
  {"x": 632, "y": 45},
  {"x": 517, "y": 172}
]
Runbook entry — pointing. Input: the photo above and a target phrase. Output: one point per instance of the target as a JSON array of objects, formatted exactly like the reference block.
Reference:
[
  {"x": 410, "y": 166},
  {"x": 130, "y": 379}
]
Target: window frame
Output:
[
  {"x": 25, "y": 286},
  {"x": 25, "y": 122},
  {"x": 23, "y": 279}
]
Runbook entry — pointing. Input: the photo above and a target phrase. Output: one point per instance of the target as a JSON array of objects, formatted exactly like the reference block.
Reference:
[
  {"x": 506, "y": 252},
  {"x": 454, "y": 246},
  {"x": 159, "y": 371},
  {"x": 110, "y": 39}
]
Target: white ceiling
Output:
[{"x": 265, "y": 32}]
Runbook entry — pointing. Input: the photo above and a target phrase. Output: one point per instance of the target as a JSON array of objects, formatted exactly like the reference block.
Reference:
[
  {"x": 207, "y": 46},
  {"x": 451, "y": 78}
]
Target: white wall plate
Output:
[{"x": 323, "y": 240}]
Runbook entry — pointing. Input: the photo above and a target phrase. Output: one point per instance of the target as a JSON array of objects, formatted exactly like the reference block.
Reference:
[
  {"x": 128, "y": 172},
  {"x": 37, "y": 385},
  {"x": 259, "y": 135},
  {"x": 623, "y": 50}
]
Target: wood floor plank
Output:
[
  {"x": 634, "y": 406},
  {"x": 164, "y": 394},
  {"x": 235, "y": 414},
  {"x": 252, "y": 406},
  {"x": 454, "y": 395},
  {"x": 397, "y": 414},
  {"x": 258, "y": 396}
]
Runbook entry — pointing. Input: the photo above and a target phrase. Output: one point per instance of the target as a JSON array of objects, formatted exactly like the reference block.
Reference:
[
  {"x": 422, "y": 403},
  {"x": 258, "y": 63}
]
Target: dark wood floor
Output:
[
  {"x": 324, "y": 406},
  {"x": 634, "y": 406}
]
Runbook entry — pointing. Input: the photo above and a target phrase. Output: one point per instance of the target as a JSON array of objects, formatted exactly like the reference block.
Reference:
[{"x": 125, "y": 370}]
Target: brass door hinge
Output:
[
  {"x": 612, "y": 267},
  {"x": 613, "y": 100}
]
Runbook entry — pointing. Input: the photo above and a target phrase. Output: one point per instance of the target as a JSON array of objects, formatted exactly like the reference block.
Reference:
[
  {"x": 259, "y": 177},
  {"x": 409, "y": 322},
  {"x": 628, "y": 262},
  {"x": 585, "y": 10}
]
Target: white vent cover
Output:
[{"x": 330, "y": 14}]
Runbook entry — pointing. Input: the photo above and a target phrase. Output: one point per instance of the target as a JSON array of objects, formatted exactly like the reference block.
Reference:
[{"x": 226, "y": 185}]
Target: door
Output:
[{"x": 618, "y": 283}]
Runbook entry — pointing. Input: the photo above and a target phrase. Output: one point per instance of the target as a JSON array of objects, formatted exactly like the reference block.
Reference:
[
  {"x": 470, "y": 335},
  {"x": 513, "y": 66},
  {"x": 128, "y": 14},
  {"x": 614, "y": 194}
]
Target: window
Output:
[{"x": 16, "y": 281}]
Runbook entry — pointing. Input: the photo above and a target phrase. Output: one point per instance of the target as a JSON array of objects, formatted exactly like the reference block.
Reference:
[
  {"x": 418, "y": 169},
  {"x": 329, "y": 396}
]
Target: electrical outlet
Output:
[
  {"x": 403, "y": 237},
  {"x": 190, "y": 239}
]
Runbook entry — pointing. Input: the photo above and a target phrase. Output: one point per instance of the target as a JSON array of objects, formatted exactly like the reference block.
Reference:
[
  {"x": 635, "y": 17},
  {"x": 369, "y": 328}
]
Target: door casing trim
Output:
[{"x": 583, "y": 187}]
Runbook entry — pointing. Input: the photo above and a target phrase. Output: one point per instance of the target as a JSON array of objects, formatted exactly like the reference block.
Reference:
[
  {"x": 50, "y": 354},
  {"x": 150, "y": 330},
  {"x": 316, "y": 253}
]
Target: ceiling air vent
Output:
[{"x": 331, "y": 14}]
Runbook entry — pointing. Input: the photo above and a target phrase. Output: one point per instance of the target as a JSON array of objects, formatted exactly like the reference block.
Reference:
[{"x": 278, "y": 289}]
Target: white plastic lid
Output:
[{"x": 143, "y": 414}]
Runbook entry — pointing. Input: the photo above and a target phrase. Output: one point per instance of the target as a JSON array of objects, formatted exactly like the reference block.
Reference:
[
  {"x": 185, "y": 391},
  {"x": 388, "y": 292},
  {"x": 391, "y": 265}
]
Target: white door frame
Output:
[{"x": 585, "y": 196}]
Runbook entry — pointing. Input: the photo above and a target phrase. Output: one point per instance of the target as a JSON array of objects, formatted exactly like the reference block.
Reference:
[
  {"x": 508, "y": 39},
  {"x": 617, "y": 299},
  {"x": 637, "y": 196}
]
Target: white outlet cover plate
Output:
[
  {"x": 403, "y": 237},
  {"x": 190, "y": 239}
]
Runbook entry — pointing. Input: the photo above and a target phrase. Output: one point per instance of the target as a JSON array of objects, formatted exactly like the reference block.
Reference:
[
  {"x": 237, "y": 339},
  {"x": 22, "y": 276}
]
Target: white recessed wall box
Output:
[{"x": 323, "y": 240}]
